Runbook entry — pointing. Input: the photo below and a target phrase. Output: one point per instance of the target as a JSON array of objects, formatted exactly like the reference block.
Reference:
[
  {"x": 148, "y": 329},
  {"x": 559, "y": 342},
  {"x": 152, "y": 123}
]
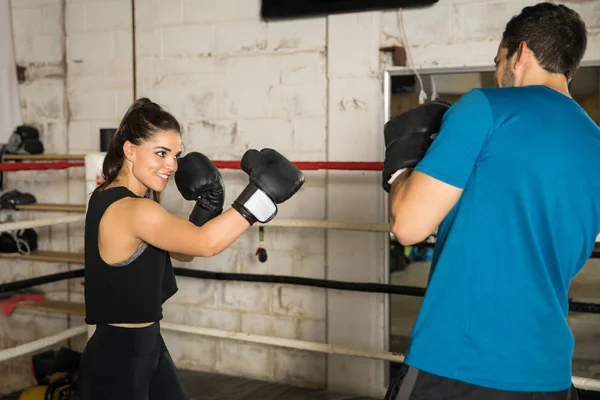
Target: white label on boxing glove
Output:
[
  {"x": 261, "y": 206},
  {"x": 395, "y": 175}
]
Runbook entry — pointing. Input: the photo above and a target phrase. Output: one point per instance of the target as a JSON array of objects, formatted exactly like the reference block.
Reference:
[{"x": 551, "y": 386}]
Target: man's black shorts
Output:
[{"x": 413, "y": 384}]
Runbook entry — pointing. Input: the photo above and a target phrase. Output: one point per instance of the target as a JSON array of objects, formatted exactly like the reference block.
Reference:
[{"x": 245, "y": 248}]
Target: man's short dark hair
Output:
[{"x": 556, "y": 34}]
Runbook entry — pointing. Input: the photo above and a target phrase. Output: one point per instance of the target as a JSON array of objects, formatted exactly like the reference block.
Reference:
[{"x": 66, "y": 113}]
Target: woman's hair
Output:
[{"x": 143, "y": 119}]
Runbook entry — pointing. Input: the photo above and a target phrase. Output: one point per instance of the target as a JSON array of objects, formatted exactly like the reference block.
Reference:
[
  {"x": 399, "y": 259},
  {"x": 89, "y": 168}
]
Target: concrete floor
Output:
[
  {"x": 585, "y": 287},
  {"x": 206, "y": 386}
]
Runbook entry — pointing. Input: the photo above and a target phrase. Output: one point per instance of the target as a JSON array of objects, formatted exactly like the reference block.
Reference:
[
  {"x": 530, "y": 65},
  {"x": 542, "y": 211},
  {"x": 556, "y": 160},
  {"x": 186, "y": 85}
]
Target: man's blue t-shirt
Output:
[{"x": 494, "y": 315}]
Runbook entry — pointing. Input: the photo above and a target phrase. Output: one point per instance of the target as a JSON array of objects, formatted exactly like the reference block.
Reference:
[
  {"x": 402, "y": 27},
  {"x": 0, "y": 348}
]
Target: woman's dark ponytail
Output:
[{"x": 141, "y": 121}]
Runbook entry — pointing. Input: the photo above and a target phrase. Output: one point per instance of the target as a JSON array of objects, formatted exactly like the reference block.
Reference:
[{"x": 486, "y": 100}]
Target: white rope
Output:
[
  {"x": 283, "y": 342},
  {"x": 27, "y": 348},
  {"x": 586, "y": 383},
  {"x": 336, "y": 225},
  {"x": 36, "y": 223},
  {"x": 579, "y": 382},
  {"x": 39, "y": 344},
  {"x": 279, "y": 223},
  {"x": 324, "y": 224}
]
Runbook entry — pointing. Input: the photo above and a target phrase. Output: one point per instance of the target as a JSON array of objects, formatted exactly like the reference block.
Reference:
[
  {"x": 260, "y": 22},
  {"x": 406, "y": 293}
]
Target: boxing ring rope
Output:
[
  {"x": 302, "y": 165},
  {"x": 328, "y": 224},
  {"x": 586, "y": 383},
  {"x": 295, "y": 344},
  {"x": 39, "y": 344},
  {"x": 327, "y": 348},
  {"x": 44, "y": 157},
  {"x": 80, "y": 208},
  {"x": 36, "y": 223},
  {"x": 365, "y": 287},
  {"x": 223, "y": 164},
  {"x": 37, "y": 166},
  {"x": 275, "y": 223},
  {"x": 316, "y": 165}
]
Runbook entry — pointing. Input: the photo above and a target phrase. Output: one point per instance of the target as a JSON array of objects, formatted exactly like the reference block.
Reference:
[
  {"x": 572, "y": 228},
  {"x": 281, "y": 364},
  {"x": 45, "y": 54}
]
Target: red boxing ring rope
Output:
[
  {"x": 317, "y": 165},
  {"x": 36, "y": 166},
  {"x": 303, "y": 165}
]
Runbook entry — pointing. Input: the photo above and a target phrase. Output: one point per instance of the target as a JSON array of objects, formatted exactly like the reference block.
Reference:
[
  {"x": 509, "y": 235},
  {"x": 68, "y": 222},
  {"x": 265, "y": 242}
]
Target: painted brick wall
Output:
[
  {"x": 310, "y": 88},
  {"x": 235, "y": 83},
  {"x": 39, "y": 51}
]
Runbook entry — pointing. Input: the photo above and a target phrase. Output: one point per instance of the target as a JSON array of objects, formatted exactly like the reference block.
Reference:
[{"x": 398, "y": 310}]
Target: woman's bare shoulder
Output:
[
  {"x": 139, "y": 206},
  {"x": 130, "y": 210}
]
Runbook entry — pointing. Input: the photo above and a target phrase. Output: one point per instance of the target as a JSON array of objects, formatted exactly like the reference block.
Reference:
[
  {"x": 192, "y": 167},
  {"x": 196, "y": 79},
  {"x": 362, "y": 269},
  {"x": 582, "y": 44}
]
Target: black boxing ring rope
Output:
[
  {"x": 40, "y": 280},
  {"x": 575, "y": 306}
]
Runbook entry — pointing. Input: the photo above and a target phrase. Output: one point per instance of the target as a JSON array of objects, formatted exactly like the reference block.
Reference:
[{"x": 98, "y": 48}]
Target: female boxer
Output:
[{"x": 130, "y": 240}]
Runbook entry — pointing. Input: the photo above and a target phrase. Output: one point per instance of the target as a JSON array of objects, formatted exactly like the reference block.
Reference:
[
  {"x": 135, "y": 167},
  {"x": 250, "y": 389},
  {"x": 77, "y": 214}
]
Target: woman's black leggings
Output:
[{"x": 128, "y": 363}]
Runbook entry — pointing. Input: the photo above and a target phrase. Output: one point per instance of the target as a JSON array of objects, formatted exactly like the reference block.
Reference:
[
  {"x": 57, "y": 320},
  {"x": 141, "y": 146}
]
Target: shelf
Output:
[
  {"x": 54, "y": 306},
  {"x": 52, "y": 207},
  {"x": 47, "y": 255}
]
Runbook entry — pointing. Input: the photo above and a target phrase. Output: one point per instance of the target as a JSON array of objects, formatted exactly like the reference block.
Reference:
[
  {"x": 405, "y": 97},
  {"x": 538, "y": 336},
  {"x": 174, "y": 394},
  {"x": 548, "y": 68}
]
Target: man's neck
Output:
[{"x": 553, "y": 81}]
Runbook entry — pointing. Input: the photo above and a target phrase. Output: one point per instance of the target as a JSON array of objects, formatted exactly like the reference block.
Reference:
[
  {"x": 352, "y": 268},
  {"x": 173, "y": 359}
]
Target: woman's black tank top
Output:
[{"x": 131, "y": 291}]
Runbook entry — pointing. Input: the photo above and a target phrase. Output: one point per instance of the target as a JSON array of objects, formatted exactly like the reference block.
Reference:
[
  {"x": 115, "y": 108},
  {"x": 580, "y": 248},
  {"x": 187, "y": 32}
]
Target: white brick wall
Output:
[
  {"x": 38, "y": 38},
  {"x": 99, "y": 83},
  {"x": 307, "y": 34},
  {"x": 225, "y": 10},
  {"x": 233, "y": 358},
  {"x": 475, "y": 28},
  {"x": 310, "y": 88}
]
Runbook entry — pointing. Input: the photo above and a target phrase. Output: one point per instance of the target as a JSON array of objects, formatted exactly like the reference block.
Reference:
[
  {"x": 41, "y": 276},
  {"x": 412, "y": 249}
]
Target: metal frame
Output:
[{"x": 388, "y": 73}]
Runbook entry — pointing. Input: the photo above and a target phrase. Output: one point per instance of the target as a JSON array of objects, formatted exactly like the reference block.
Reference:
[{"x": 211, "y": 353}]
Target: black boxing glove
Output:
[
  {"x": 273, "y": 180},
  {"x": 409, "y": 135},
  {"x": 25, "y": 140},
  {"x": 198, "y": 179}
]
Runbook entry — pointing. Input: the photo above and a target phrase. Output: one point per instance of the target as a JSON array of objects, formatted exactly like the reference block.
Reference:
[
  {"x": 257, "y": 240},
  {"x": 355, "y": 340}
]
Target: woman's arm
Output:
[{"x": 152, "y": 224}]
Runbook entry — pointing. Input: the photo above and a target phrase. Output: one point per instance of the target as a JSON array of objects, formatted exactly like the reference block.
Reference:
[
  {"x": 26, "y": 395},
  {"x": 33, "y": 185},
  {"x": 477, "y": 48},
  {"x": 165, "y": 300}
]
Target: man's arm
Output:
[
  {"x": 422, "y": 198},
  {"x": 418, "y": 204}
]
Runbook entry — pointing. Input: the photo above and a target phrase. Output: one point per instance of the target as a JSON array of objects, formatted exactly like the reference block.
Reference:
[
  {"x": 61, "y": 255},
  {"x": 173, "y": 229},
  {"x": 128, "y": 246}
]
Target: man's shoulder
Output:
[
  {"x": 515, "y": 95},
  {"x": 495, "y": 102},
  {"x": 473, "y": 103},
  {"x": 496, "y": 95}
]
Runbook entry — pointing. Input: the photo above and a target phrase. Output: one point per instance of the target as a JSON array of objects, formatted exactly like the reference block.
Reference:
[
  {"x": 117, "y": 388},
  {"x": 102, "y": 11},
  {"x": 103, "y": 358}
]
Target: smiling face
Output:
[{"x": 154, "y": 161}]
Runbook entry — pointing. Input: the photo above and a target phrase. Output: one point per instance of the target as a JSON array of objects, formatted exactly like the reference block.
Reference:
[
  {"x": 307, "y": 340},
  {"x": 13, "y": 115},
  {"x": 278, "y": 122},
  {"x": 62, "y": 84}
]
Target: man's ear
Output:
[{"x": 523, "y": 55}]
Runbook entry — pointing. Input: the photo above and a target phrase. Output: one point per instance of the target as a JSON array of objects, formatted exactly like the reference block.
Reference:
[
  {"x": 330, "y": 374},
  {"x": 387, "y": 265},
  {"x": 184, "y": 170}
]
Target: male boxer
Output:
[{"x": 510, "y": 180}]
